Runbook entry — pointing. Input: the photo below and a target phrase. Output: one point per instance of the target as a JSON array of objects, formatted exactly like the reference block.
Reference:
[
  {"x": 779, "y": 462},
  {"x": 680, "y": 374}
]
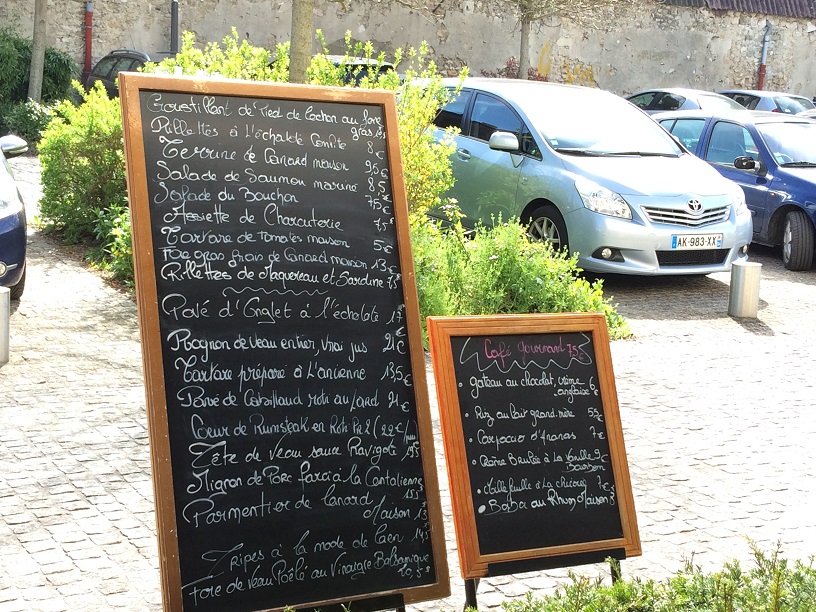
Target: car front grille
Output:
[
  {"x": 703, "y": 257},
  {"x": 685, "y": 217}
]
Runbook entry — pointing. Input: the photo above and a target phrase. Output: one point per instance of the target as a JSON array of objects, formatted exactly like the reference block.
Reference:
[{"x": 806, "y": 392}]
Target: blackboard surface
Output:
[
  {"x": 285, "y": 376},
  {"x": 533, "y": 437}
]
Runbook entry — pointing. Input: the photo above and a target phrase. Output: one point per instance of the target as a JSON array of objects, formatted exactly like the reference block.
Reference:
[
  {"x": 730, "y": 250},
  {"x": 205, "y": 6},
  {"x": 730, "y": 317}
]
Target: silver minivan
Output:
[{"x": 590, "y": 172}]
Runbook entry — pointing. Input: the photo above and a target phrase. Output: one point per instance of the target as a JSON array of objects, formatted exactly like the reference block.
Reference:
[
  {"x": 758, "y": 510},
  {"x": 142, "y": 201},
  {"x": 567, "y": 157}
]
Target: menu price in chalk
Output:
[{"x": 296, "y": 456}]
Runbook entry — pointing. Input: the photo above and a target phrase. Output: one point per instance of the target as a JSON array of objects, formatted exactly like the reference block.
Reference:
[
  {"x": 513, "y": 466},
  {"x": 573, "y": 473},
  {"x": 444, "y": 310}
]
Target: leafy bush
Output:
[
  {"x": 235, "y": 60},
  {"x": 83, "y": 166},
  {"x": 772, "y": 585},
  {"x": 28, "y": 120},
  {"x": 499, "y": 270},
  {"x": 113, "y": 233},
  {"x": 15, "y": 68}
]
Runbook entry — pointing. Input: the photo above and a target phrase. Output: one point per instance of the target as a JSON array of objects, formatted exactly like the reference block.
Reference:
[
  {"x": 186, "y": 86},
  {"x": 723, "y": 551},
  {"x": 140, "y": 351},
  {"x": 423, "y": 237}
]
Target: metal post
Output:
[
  {"x": 86, "y": 72},
  {"x": 743, "y": 298},
  {"x": 470, "y": 593},
  {"x": 5, "y": 315},
  {"x": 174, "y": 27}
]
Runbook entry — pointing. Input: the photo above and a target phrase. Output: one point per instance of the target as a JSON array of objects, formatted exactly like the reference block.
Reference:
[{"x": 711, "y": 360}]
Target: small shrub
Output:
[
  {"x": 28, "y": 120},
  {"x": 113, "y": 233},
  {"x": 772, "y": 586},
  {"x": 232, "y": 59},
  {"x": 83, "y": 167},
  {"x": 499, "y": 270}
]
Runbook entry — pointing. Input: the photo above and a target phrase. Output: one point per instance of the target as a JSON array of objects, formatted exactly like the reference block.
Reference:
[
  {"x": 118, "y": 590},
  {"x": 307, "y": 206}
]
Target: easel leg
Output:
[
  {"x": 614, "y": 569},
  {"x": 470, "y": 593}
]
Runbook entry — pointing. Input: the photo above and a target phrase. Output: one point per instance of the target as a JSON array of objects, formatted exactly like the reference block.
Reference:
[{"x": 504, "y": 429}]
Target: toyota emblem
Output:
[{"x": 695, "y": 205}]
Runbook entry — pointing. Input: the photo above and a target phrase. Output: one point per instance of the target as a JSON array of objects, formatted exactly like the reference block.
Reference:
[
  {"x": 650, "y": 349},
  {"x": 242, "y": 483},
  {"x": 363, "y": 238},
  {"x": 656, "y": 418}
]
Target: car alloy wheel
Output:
[{"x": 547, "y": 225}]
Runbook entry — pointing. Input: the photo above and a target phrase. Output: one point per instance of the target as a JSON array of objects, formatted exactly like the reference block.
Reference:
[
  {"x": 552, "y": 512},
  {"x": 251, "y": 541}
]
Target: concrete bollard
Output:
[
  {"x": 743, "y": 297},
  {"x": 5, "y": 315}
]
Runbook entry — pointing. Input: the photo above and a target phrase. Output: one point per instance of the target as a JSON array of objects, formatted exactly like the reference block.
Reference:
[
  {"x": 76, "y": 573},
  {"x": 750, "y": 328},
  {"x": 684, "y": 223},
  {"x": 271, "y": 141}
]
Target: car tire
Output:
[
  {"x": 16, "y": 292},
  {"x": 547, "y": 224},
  {"x": 797, "y": 241}
]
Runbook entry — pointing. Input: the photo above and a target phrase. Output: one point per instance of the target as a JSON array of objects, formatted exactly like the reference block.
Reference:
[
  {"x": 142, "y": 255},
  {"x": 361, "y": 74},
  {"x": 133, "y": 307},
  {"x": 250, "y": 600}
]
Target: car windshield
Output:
[
  {"x": 584, "y": 124},
  {"x": 715, "y": 102},
  {"x": 792, "y": 104},
  {"x": 791, "y": 144}
]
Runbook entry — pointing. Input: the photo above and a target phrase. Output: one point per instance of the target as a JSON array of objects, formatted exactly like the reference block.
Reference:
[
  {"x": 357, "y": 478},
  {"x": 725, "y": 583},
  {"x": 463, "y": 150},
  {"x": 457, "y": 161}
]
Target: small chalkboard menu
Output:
[
  {"x": 533, "y": 441},
  {"x": 290, "y": 432}
]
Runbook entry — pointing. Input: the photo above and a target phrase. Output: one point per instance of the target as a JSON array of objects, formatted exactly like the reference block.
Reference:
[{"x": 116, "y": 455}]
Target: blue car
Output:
[
  {"x": 12, "y": 222},
  {"x": 772, "y": 156}
]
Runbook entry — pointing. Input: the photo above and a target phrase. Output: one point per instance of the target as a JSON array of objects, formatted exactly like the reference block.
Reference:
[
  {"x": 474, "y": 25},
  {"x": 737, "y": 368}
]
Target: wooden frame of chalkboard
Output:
[
  {"x": 533, "y": 440},
  {"x": 290, "y": 432}
]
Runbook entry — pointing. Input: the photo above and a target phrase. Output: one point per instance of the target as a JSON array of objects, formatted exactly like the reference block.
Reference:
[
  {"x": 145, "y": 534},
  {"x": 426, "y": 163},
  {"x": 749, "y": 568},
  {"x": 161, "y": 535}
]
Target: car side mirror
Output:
[
  {"x": 504, "y": 141},
  {"x": 12, "y": 145},
  {"x": 745, "y": 162}
]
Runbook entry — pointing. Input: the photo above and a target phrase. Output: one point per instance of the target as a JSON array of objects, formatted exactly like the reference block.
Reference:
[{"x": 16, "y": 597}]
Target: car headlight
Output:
[
  {"x": 9, "y": 203},
  {"x": 736, "y": 197},
  {"x": 602, "y": 200}
]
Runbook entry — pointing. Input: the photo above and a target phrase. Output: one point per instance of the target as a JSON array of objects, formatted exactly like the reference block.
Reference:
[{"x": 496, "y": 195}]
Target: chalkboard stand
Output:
[
  {"x": 294, "y": 289},
  {"x": 372, "y": 604},
  {"x": 494, "y": 428}
]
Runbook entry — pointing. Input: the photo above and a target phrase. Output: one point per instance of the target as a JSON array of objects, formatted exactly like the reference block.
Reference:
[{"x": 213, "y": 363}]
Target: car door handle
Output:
[{"x": 463, "y": 154}]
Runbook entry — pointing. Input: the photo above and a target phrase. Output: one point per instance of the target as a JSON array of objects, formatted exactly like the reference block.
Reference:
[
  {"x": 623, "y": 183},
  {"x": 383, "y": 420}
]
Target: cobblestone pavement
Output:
[{"x": 717, "y": 415}]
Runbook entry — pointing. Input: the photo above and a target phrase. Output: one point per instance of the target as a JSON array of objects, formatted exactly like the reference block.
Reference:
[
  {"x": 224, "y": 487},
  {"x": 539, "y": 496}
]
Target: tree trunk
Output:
[
  {"x": 35, "y": 75},
  {"x": 300, "y": 51},
  {"x": 524, "y": 49}
]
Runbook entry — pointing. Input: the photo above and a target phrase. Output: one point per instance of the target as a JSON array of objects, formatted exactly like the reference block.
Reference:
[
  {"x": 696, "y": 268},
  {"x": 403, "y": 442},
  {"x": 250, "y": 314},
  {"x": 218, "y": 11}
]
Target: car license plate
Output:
[{"x": 697, "y": 241}]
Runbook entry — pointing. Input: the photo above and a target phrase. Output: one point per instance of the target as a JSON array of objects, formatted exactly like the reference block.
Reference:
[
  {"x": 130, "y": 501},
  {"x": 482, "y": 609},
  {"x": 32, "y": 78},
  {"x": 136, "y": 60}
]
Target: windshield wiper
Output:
[
  {"x": 590, "y": 153},
  {"x": 802, "y": 164},
  {"x": 639, "y": 154},
  {"x": 585, "y": 152}
]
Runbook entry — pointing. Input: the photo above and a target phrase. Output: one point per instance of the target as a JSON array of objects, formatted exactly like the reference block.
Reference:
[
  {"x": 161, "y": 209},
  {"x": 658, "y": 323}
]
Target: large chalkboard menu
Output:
[
  {"x": 290, "y": 433},
  {"x": 533, "y": 441}
]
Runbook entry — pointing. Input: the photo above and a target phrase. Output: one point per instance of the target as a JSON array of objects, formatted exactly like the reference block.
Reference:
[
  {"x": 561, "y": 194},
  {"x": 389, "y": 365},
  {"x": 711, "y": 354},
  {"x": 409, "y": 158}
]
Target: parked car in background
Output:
[
  {"x": 12, "y": 221},
  {"x": 612, "y": 187},
  {"x": 811, "y": 114},
  {"x": 108, "y": 68},
  {"x": 773, "y": 101},
  {"x": 678, "y": 98},
  {"x": 773, "y": 157},
  {"x": 357, "y": 68}
]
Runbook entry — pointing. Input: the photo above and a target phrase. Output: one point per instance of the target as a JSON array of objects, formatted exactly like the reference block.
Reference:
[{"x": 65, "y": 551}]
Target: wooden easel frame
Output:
[
  {"x": 131, "y": 86},
  {"x": 475, "y": 564}
]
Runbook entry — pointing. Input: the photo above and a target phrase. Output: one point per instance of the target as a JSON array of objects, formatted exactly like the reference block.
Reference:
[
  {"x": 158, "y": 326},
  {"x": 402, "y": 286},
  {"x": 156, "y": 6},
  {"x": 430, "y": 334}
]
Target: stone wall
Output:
[{"x": 667, "y": 45}]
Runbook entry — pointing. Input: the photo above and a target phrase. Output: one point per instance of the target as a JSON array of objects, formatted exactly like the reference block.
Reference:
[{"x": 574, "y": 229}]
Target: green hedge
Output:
[{"x": 15, "y": 67}]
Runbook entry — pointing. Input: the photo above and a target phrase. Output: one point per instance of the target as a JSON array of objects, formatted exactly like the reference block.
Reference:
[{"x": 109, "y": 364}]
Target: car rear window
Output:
[{"x": 104, "y": 66}]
